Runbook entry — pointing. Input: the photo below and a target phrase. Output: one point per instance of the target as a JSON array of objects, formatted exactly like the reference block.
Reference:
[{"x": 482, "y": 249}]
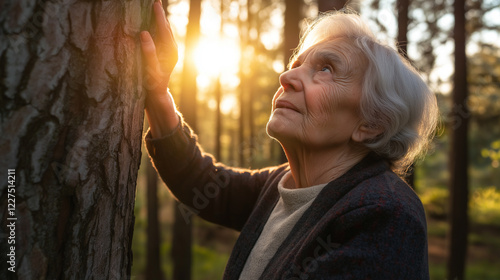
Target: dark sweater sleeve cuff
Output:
[{"x": 173, "y": 151}]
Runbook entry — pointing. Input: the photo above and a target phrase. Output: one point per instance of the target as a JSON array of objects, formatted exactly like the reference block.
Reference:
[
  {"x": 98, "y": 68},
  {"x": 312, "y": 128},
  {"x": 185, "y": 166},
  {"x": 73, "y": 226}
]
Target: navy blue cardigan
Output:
[{"x": 367, "y": 224}]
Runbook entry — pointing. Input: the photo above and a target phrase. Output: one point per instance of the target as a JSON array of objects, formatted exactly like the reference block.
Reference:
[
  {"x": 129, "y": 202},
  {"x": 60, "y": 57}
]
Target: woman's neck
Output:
[{"x": 311, "y": 167}]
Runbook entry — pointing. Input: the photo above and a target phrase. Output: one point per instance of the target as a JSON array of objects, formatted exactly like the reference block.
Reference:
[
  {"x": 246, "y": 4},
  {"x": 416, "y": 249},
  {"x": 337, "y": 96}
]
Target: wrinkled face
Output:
[{"x": 317, "y": 104}]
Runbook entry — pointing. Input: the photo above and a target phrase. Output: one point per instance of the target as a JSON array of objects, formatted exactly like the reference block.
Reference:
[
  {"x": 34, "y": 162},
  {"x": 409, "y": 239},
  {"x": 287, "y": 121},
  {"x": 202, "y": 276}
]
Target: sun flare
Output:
[{"x": 217, "y": 56}]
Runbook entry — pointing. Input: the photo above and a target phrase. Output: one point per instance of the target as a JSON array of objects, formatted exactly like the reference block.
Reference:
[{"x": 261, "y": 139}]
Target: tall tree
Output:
[
  {"x": 71, "y": 116},
  {"x": 182, "y": 232},
  {"x": 291, "y": 38},
  {"x": 218, "y": 93},
  {"x": 402, "y": 7},
  {"x": 153, "y": 240},
  {"x": 243, "y": 29},
  {"x": 458, "y": 160},
  {"x": 330, "y": 5},
  {"x": 247, "y": 90},
  {"x": 293, "y": 16}
]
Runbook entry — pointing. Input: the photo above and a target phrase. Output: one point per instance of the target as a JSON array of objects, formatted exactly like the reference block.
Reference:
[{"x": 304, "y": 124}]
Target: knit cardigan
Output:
[{"x": 366, "y": 224}]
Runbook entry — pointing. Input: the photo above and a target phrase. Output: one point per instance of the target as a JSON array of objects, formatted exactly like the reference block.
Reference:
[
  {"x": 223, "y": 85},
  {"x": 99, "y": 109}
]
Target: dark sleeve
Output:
[
  {"x": 217, "y": 193},
  {"x": 380, "y": 241}
]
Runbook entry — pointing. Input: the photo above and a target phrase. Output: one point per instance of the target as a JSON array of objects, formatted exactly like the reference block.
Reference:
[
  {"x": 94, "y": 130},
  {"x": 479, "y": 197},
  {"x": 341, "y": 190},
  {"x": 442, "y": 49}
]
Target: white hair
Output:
[{"x": 394, "y": 96}]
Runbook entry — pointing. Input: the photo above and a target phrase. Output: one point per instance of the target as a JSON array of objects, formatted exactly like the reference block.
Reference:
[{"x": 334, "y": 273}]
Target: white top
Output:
[{"x": 290, "y": 207}]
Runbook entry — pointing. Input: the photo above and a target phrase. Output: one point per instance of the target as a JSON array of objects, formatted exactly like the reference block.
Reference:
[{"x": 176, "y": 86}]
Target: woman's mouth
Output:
[{"x": 283, "y": 104}]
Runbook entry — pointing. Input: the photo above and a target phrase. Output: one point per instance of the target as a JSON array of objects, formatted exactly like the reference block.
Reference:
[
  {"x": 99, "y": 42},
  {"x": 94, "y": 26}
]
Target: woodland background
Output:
[
  {"x": 72, "y": 118},
  {"x": 234, "y": 103}
]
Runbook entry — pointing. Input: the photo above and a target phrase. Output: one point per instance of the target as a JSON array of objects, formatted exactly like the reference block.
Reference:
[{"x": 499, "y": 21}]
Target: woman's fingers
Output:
[
  {"x": 165, "y": 39},
  {"x": 154, "y": 76}
]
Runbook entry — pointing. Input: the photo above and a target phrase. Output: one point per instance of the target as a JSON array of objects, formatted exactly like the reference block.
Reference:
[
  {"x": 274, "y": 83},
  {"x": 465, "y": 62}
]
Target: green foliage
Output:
[
  {"x": 482, "y": 270},
  {"x": 209, "y": 263},
  {"x": 484, "y": 243},
  {"x": 492, "y": 153},
  {"x": 485, "y": 206},
  {"x": 483, "y": 78},
  {"x": 475, "y": 270},
  {"x": 437, "y": 271},
  {"x": 435, "y": 201}
]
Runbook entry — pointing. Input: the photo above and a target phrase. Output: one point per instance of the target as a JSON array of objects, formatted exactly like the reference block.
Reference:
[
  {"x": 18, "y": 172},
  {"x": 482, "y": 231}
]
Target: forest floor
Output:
[
  {"x": 213, "y": 244},
  {"x": 483, "y": 251}
]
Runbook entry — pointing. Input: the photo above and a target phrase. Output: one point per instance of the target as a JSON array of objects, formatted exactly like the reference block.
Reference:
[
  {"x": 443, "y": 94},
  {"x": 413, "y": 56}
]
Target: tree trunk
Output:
[
  {"x": 293, "y": 16},
  {"x": 153, "y": 264},
  {"x": 402, "y": 7},
  {"x": 71, "y": 120},
  {"x": 218, "y": 118},
  {"x": 181, "y": 245},
  {"x": 242, "y": 89},
  {"x": 218, "y": 94},
  {"x": 153, "y": 241},
  {"x": 330, "y": 5},
  {"x": 458, "y": 160},
  {"x": 251, "y": 92},
  {"x": 182, "y": 233}
]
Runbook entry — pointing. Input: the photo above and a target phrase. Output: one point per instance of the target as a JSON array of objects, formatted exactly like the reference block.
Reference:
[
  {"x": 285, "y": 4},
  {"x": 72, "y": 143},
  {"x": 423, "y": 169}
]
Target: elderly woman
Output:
[{"x": 350, "y": 113}]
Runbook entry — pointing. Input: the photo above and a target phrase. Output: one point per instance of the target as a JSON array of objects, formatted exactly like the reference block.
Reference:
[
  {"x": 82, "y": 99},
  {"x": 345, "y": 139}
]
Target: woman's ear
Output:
[{"x": 366, "y": 132}]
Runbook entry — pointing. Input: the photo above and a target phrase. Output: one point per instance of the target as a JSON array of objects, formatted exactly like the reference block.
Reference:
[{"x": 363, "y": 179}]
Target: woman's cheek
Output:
[{"x": 327, "y": 101}]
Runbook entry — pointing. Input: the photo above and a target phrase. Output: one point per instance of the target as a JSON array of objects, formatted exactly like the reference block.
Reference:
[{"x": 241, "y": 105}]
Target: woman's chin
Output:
[{"x": 278, "y": 130}]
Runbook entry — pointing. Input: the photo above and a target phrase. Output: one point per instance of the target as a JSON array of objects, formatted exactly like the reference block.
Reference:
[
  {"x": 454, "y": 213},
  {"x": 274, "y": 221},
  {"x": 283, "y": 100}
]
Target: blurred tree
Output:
[
  {"x": 258, "y": 79},
  {"x": 218, "y": 94},
  {"x": 484, "y": 84},
  {"x": 402, "y": 7},
  {"x": 71, "y": 118},
  {"x": 484, "y": 102},
  {"x": 245, "y": 23},
  {"x": 182, "y": 232},
  {"x": 329, "y": 5},
  {"x": 291, "y": 36},
  {"x": 458, "y": 160},
  {"x": 424, "y": 15},
  {"x": 153, "y": 240}
]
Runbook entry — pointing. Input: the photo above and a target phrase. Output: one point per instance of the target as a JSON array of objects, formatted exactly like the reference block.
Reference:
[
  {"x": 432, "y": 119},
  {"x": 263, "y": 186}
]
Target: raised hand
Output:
[{"x": 160, "y": 56}]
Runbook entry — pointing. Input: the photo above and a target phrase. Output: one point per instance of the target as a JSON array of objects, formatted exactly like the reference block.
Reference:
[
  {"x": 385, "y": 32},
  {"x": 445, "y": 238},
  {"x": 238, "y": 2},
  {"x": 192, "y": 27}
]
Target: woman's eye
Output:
[{"x": 327, "y": 68}]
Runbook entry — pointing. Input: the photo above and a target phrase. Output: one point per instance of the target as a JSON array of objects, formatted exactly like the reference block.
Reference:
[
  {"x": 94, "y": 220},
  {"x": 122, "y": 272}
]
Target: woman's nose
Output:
[{"x": 290, "y": 80}]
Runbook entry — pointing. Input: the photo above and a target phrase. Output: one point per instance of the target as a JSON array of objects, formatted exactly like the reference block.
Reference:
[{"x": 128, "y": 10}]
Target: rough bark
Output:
[
  {"x": 71, "y": 120},
  {"x": 459, "y": 193}
]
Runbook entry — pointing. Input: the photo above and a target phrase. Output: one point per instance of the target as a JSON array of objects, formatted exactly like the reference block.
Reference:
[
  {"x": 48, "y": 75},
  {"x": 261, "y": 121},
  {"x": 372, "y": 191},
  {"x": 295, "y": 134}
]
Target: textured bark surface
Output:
[{"x": 71, "y": 120}]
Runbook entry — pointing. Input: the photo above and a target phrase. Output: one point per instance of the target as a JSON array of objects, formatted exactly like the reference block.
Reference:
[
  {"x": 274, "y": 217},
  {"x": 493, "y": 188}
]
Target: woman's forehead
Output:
[{"x": 337, "y": 49}]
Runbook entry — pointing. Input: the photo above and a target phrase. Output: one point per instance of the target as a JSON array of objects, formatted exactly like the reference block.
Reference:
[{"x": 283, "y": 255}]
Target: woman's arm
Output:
[
  {"x": 217, "y": 193},
  {"x": 160, "y": 58}
]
